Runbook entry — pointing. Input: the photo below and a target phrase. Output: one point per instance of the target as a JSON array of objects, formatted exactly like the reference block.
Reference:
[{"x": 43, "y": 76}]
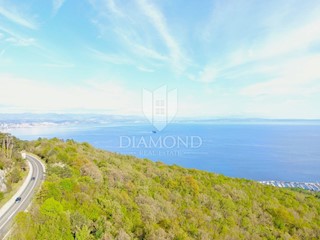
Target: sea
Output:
[{"x": 256, "y": 151}]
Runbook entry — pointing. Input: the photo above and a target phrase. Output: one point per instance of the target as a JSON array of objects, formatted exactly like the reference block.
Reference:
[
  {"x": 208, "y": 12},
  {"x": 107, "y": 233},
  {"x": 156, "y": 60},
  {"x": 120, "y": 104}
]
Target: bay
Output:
[{"x": 286, "y": 152}]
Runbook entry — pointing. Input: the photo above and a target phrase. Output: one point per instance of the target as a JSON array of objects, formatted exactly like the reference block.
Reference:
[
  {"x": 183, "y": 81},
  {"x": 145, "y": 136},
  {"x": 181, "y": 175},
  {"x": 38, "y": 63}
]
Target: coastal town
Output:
[{"x": 304, "y": 185}]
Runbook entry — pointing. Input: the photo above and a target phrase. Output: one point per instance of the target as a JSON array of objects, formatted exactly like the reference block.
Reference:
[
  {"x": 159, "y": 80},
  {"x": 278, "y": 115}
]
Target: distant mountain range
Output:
[{"x": 54, "y": 119}]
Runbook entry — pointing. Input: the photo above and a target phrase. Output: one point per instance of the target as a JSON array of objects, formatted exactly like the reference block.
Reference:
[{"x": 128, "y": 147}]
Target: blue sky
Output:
[{"x": 225, "y": 58}]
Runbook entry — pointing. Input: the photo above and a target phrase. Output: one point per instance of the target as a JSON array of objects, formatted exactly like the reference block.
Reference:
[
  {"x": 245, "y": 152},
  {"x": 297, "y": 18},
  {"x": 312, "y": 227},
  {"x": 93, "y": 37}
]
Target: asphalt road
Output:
[{"x": 26, "y": 193}]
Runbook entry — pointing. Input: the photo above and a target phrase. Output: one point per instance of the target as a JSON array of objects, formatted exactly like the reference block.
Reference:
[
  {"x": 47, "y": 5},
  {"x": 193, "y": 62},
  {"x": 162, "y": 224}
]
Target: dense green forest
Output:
[
  {"x": 12, "y": 167},
  {"x": 94, "y": 194}
]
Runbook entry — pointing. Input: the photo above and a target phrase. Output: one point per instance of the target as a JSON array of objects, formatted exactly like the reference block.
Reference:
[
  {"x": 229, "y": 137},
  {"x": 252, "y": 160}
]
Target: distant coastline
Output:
[
  {"x": 303, "y": 185},
  {"x": 27, "y": 120},
  {"x": 238, "y": 148}
]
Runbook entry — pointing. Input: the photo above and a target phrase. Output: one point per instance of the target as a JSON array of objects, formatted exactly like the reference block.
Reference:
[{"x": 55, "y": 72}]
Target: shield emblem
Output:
[{"x": 160, "y": 106}]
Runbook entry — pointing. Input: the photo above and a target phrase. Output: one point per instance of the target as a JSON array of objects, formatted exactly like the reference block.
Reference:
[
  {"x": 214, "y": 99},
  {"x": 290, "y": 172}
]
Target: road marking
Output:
[
  {"x": 8, "y": 205},
  {"x": 21, "y": 203}
]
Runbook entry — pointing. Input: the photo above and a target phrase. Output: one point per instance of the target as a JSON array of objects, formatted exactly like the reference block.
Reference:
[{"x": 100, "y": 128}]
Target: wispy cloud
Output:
[
  {"x": 50, "y": 57},
  {"x": 160, "y": 24},
  {"x": 20, "y": 41},
  {"x": 132, "y": 44},
  {"x": 17, "y": 39},
  {"x": 144, "y": 69},
  {"x": 139, "y": 49},
  {"x": 142, "y": 31},
  {"x": 118, "y": 59},
  {"x": 299, "y": 76},
  {"x": 114, "y": 8},
  {"x": 208, "y": 74},
  {"x": 17, "y": 17},
  {"x": 241, "y": 56},
  {"x": 270, "y": 47},
  {"x": 110, "y": 58},
  {"x": 280, "y": 44},
  {"x": 57, "y": 4}
]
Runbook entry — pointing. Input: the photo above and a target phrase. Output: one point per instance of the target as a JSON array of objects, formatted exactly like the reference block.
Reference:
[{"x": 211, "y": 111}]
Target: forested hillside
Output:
[
  {"x": 12, "y": 167},
  {"x": 93, "y": 194}
]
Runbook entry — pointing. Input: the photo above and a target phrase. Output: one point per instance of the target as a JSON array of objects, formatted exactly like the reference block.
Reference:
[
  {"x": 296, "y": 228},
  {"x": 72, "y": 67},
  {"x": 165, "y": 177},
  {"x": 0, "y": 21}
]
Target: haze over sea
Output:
[{"x": 288, "y": 152}]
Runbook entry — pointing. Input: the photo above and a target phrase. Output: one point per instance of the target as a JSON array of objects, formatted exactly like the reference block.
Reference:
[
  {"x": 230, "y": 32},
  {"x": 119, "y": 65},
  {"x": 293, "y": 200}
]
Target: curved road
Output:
[{"x": 26, "y": 192}]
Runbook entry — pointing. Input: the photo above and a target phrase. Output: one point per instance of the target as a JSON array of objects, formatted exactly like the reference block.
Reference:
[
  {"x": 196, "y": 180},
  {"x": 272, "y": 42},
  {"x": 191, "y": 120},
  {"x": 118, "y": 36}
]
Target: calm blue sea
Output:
[{"x": 254, "y": 151}]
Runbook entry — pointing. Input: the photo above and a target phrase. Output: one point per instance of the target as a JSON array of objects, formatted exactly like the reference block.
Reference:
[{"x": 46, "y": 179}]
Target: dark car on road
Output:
[
  {"x": 18, "y": 199},
  {"x": 33, "y": 178}
]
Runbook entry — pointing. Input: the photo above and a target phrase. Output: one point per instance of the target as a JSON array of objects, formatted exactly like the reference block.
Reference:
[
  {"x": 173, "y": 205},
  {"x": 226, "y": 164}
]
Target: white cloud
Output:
[
  {"x": 141, "y": 29},
  {"x": 114, "y": 8},
  {"x": 57, "y": 4},
  {"x": 294, "y": 77},
  {"x": 279, "y": 46},
  {"x": 134, "y": 48},
  {"x": 17, "y": 39},
  {"x": 130, "y": 40},
  {"x": 118, "y": 59},
  {"x": 17, "y": 17},
  {"x": 98, "y": 96},
  {"x": 209, "y": 74},
  {"x": 144, "y": 69},
  {"x": 289, "y": 41},
  {"x": 272, "y": 45},
  {"x": 146, "y": 52},
  {"x": 21, "y": 41},
  {"x": 159, "y": 22},
  {"x": 111, "y": 58}
]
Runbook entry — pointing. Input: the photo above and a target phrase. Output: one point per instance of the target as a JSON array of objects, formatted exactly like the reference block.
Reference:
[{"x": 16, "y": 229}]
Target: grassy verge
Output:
[{"x": 14, "y": 188}]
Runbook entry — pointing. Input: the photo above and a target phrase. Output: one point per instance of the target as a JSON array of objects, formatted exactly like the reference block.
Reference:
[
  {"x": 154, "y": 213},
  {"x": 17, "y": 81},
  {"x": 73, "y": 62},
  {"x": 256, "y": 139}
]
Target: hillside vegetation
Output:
[
  {"x": 12, "y": 167},
  {"x": 93, "y": 194}
]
